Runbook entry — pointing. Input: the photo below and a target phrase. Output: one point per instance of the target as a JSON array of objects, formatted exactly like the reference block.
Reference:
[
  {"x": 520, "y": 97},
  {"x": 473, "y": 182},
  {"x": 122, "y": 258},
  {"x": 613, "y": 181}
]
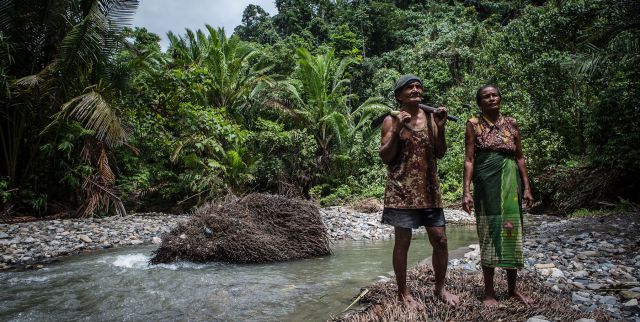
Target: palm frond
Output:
[
  {"x": 83, "y": 43},
  {"x": 96, "y": 114},
  {"x": 118, "y": 14},
  {"x": 5, "y": 19}
]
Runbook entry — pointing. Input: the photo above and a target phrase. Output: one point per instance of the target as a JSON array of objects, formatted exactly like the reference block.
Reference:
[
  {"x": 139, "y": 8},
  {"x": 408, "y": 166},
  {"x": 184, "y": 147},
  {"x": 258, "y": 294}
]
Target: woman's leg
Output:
[
  {"x": 489, "y": 298},
  {"x": 512, "y": 276}
]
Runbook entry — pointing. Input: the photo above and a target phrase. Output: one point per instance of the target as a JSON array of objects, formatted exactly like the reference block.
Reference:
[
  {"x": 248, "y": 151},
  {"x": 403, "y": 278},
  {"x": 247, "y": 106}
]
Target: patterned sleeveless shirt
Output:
[
  {"x": 499, "y": 137},
  {"x": 412, "y": 179}
]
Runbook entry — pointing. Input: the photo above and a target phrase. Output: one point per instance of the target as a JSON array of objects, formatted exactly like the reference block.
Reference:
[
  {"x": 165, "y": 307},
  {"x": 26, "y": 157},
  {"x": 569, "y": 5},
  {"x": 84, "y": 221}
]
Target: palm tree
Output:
[
  {"x": 614, "y": 38},
  {"x": 321, "y": 102},
  {"x": 230, "y": 64},
  {"x": 68, "y": 76}
]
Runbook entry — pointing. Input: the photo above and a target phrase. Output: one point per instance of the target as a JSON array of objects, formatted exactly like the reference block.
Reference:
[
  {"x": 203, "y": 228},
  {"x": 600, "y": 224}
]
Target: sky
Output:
[{"x": 160, "y": 16}]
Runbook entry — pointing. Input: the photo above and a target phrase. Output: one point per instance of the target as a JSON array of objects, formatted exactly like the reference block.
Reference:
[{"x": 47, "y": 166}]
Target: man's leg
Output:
[
  {"x": 489, "y": 298},
  {"x": 440, "y": 259},
  {"x": 512, "y": 276},
  {"x": 400, "y": 250}
]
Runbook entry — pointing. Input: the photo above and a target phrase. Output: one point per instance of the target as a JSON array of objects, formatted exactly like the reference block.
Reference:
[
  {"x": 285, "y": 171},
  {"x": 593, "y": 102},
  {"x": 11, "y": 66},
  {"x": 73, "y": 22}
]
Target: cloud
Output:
[{"x": 161, "y": 16}]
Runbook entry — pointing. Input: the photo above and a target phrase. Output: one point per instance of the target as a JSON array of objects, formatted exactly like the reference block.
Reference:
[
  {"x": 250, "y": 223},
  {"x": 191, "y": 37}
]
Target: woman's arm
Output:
[
  {"x": 522, "y": 168},
  {"x": 469, "y": 150}
]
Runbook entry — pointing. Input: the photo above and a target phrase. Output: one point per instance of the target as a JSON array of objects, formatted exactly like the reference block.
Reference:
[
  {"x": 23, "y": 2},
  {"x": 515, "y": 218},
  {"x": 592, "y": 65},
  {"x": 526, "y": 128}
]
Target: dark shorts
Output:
[{"x": 413, "y": 218}]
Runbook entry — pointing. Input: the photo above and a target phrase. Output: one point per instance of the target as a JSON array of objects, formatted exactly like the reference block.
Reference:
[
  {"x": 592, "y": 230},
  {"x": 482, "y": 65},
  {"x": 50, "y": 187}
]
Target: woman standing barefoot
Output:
[{"x": 495, "y": 163}]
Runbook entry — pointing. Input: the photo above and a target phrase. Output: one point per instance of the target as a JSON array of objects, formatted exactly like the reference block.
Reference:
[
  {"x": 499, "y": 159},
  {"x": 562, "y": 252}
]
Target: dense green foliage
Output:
[{"x": 94, "y": 115}]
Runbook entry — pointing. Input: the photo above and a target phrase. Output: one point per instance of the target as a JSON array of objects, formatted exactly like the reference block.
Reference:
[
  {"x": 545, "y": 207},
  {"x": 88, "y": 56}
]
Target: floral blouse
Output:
[{"x": 500, "y": 136}]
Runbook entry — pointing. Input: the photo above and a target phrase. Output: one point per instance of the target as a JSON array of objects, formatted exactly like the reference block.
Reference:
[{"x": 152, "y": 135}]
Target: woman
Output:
[{"x": 494, "y": 160}]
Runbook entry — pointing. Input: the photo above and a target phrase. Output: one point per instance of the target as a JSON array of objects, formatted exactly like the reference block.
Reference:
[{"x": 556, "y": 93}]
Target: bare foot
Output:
[
  {"x": 522, "y": 298},
  {"x": 447, "y": 297},
  {"x": 490, "y": 301},
  {"x": 409, "y": 302}
]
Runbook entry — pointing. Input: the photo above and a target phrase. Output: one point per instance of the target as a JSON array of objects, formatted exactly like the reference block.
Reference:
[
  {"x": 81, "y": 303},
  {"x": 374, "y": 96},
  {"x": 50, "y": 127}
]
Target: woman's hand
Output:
[
  {"x": 467, "y": 202},
  {"x": 528, "y": 198}
]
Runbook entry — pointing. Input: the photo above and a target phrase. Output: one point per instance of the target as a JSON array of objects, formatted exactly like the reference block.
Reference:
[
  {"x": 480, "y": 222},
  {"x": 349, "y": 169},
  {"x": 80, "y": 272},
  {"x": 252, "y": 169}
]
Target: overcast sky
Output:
[{"x": 160, "y": 16}]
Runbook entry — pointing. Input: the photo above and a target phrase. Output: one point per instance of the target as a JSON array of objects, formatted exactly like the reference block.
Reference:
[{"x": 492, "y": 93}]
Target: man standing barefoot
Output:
[{"x": 411, "y": 143}]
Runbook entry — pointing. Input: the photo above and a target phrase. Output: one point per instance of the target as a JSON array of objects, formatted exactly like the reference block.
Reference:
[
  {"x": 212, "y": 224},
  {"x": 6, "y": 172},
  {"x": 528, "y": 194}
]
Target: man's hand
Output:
[
  {"x": 441, "y": 116},
  {"x": 402, "y": 118}
]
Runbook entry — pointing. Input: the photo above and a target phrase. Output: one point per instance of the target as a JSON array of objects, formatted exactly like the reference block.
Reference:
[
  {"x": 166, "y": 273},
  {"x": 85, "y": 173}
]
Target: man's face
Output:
[{"x": 410, "y": 93}]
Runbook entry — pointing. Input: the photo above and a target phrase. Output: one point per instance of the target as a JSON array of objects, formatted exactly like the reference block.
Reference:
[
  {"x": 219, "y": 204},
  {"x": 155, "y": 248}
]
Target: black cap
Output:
[{"x": 404, "y": 80}]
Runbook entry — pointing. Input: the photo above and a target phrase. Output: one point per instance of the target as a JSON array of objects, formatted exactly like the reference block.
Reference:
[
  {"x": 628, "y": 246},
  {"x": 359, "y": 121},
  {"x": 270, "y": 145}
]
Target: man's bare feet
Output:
[
  {"x": 522, "y": 298},
  {"x": 447, "y": 297},
  {"x": 409, "y": 302},
  {"x": 490, "y": 301}
]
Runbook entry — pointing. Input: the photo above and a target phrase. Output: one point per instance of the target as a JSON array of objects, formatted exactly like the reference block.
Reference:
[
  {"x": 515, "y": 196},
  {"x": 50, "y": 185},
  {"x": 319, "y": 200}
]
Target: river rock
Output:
[
  {"x": 85, "y": 238},
  {"x": 608, "y": 300},
  {"x": 156, "y": 240},
  {"x": 544, "y": 266},
  {"x": 577, "y": 298},
  {"x": 538, "y": 318},
  {"x": 594, "y": 286},
  {"x": 628, "y": 295},
  {"x": 589, "y": 253}
]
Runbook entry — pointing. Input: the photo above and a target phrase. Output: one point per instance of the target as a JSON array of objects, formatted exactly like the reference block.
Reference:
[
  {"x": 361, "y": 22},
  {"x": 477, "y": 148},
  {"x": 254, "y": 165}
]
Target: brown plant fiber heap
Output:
[
  {"x": 257, "y": 228},
  {"x": 382, "y": 304}
]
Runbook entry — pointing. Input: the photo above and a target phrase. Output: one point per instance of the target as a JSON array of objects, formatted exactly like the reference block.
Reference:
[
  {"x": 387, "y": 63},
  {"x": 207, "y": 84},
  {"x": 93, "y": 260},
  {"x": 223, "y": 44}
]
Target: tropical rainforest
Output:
[{"x": 97, "y": 119}]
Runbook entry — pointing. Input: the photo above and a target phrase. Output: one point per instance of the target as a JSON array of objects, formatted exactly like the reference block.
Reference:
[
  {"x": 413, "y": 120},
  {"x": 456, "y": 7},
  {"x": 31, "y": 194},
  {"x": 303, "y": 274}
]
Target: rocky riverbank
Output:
[
  {"x": 32, "y": 244},
  {"x": 593, "y": 260}
]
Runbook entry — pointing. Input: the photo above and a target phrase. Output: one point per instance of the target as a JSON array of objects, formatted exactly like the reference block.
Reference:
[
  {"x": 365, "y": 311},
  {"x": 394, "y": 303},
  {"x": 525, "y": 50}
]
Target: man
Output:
[{"x": 410, "y": 144}]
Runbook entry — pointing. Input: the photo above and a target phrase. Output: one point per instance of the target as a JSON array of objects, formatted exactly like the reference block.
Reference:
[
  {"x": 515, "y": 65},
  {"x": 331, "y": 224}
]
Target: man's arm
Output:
[
  {"x": 389, "y": 140},
  {"x": 440, "y": 118}
]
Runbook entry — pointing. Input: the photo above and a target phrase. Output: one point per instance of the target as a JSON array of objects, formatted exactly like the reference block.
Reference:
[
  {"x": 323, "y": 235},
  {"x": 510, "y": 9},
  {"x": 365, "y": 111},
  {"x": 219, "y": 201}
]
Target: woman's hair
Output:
[{"x": 482, "y": 88}]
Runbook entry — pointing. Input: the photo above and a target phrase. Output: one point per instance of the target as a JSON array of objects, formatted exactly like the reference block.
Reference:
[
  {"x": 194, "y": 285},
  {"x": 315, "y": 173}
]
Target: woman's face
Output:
[{"x": 489, "y": 99}]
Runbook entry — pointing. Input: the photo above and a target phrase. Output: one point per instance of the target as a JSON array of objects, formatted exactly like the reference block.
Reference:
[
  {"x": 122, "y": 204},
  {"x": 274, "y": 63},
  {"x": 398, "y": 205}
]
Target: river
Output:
[{"x": 119, "y": 285}]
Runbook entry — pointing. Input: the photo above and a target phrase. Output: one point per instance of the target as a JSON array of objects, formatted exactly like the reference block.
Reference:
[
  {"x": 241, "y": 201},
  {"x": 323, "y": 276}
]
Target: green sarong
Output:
[{"x": 496, "y": 197}]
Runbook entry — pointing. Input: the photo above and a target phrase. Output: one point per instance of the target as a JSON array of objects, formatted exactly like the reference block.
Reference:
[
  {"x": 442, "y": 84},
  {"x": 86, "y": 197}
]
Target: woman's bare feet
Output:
[
  {"x": 522, "y": 298},
  {"x": 447, "y": 297},
  {"x": 409, "y": 302},
  {"x": 490, "y": 301}
]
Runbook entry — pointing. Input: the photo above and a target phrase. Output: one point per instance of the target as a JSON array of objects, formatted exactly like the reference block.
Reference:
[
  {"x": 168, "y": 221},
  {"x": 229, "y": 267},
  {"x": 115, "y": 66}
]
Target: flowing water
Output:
[{"x": 118, "y": 285}]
